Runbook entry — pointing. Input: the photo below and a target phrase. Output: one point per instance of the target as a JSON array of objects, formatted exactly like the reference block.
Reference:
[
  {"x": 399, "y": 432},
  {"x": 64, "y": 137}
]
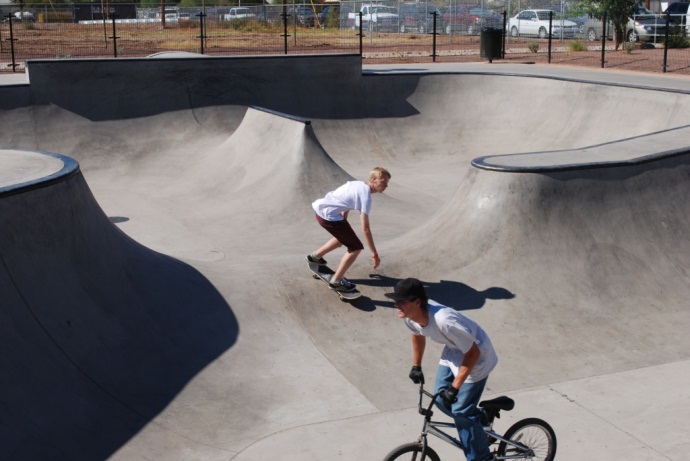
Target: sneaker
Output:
[
  {"x": 348, "y": 284},
  {"x": 313, "y": 260},
  {"x": 342, "y": 287}
]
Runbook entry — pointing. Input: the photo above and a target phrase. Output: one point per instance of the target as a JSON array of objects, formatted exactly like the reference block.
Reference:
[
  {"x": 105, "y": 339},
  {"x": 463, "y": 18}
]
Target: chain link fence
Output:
[{"x": 553, "y": 31}]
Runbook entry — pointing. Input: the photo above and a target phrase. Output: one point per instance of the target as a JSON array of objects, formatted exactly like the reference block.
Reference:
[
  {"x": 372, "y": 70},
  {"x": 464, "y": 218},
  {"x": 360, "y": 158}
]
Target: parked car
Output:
[
  {"x": 470, "y": 19},
  {"x": 645, "y": 26},
  {"x": 592, "y": 28},
  {"x": 19, "y": 16},
  {"x": 304, "y": 16},
  {"x": 419, "y": 17},
  {"x": 535, "y": 23}
]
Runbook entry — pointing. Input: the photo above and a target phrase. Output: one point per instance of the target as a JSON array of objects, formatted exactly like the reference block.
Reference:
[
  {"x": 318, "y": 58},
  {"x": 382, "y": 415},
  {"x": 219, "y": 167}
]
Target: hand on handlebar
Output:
[
  {"x": 416, "y": 375},
  {"x": 449, "y": 395}
]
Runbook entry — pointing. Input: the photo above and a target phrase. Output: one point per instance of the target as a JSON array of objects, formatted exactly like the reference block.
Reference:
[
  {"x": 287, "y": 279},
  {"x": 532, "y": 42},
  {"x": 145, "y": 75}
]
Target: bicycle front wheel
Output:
[
  {"x": 411, "y": 452},
  {"x": 531, "y": 438}
]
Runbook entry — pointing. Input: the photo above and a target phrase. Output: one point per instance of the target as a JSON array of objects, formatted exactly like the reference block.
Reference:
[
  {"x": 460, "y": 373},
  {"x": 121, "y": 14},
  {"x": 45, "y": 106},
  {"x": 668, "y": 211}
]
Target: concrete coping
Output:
[
  {"x": 624, "y": 152},
  {"x": 21, "y": 170}
]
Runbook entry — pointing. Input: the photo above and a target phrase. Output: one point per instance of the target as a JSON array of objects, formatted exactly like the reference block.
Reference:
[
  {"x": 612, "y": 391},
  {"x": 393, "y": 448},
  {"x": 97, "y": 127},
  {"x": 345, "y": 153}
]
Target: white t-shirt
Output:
[
  {"x": 353, "y": 195},
  {"x": 457, "y": 332}
]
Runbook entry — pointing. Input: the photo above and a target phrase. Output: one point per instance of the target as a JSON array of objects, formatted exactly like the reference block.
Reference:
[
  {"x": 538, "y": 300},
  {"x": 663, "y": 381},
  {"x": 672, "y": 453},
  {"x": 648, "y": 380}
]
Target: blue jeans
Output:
[{"x": 465, "y": 413}]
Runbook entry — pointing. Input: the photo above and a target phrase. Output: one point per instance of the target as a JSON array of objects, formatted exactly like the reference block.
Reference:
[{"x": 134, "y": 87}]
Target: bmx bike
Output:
[{"x": 530, "y": 438}]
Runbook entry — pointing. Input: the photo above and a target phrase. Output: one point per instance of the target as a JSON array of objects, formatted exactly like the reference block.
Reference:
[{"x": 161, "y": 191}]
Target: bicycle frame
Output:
[{"x": 435, "y": 428}]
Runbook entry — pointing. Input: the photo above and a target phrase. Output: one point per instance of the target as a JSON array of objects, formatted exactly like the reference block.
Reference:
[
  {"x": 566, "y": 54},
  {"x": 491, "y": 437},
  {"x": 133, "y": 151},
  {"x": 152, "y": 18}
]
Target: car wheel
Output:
[
  {"x": 542, "y": 32},
  {"x": 471, "y": 29},
  {"x": 449, "y": 30},
  {"x": 591, "y": 34},
  {"x": 402, "y": 28},
  {"x": 514, "y": 32},
  {"x": 421, "y": 29},
  {"x": 632, "y": 36}
]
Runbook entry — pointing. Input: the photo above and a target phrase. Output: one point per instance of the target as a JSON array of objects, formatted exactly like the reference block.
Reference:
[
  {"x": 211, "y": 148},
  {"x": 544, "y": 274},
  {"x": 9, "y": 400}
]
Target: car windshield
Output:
[{"x": 642, "y": 12}]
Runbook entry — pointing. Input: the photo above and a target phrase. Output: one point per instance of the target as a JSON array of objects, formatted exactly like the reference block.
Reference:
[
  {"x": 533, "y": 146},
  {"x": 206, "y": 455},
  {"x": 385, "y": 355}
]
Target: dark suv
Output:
[
  {"x": 677, "y": 13},
  {"x": 419, "y": 17},
  {"x": 304, "y": 16}
]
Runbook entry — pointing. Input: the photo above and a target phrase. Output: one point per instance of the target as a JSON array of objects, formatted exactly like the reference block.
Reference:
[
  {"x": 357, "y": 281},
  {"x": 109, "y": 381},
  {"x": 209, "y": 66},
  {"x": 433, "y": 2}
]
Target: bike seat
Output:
[{"x": 499, "y": 403}]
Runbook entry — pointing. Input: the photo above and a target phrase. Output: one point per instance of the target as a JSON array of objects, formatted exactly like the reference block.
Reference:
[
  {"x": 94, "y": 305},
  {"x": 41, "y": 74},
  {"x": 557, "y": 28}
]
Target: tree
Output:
[{"x": 617, "y": 12}]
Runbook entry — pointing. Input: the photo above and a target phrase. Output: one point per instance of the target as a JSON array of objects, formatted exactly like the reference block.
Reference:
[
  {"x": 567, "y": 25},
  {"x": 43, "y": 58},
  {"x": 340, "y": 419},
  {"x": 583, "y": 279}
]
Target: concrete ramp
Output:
[
  {"x": 165, "y": 310},
  {"x": 99, "y": 333}
]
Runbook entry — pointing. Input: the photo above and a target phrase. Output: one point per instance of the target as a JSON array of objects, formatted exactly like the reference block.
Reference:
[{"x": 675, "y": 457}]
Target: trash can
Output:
[{"x": 490, "y": 42}]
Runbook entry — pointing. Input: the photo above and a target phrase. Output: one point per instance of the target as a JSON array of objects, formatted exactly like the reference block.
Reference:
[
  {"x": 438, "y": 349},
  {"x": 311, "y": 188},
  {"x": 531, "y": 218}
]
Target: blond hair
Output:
[{"x": 378, "y": 173}]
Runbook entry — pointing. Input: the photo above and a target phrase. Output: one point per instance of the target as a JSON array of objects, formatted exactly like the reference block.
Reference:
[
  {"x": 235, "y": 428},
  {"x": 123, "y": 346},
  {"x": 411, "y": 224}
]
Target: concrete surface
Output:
[{"x": 156, "y": 302}]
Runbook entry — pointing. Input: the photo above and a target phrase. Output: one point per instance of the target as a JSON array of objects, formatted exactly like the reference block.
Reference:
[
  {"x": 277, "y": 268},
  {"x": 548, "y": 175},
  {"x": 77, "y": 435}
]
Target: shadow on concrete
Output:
[{"x": 99, "y": 334}]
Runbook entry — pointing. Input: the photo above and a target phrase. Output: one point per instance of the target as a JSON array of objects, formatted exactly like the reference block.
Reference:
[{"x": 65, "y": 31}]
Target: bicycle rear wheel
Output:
[
  {"x": 411, "y": 452},
  {"x": 534, "y": 434}
]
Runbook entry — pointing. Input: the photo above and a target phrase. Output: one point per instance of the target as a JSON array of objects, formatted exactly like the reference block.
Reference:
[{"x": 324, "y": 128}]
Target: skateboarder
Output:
[
  {"x": 331, "y": 214},
  {"x": 466, "y": 361}
]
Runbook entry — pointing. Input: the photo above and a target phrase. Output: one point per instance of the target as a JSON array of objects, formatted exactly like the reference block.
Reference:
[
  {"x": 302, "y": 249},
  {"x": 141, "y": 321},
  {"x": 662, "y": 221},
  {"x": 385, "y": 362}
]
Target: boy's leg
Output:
[
  {"x": 327, "y": 247},
  {"x": 345, "y": 263},
  {"x": 466, "y": 414},
  {"x": 343, "y": 234}
]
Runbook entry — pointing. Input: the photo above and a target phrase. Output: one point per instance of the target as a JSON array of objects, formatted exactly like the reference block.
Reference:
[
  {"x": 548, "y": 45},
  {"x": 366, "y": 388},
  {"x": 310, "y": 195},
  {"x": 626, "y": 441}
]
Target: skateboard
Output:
[{"x": 324, "y": 273}]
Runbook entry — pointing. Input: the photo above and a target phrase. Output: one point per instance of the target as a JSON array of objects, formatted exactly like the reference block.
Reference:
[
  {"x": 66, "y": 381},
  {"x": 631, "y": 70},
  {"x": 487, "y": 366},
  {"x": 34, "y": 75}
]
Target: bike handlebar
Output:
[{"x": 426, "y": 411}]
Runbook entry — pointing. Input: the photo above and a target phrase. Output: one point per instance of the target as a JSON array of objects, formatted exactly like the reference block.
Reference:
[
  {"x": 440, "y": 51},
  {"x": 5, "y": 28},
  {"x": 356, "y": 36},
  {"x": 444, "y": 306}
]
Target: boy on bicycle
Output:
[
  {"x": 331, "y": 213},
  {"x": 466, "y": 361}
]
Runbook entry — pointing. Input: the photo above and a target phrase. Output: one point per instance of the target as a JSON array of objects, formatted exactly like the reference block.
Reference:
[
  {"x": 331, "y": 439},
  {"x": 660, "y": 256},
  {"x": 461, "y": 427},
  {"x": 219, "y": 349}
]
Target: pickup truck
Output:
[
  {"x": 239, "y": 13},
  {"x": 377, "y": 17}
]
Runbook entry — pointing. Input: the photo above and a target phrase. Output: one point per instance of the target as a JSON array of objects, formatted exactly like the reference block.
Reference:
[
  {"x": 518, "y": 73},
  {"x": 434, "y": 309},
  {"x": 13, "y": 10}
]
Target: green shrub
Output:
[
  {"x": 677, "y": 37},
  {"x": 577, "y": 45},
  {"x": 533, "y": 46},
  {"x": 332, "y": 18}
]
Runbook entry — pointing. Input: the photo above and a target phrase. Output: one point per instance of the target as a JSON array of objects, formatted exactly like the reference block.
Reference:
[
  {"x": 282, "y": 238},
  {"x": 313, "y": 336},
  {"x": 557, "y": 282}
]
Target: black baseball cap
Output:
[{"x": 407, "y": 290}]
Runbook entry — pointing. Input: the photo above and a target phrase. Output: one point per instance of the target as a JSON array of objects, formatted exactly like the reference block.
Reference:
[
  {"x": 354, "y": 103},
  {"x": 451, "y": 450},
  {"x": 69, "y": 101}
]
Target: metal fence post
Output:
[
  {"x": 433, "y": 46},
  {"x": 114, "y": 37},
  {"x": 202, "y": 30},
  {"x": 550, "y": 33},
  {"x": 361, "y": 36},
  {"x": 666, "y": 45},
  {"x": 503, "y": 34},
  {"x": 12, "y": 39},
  {"x": 603, "y": 41},
  {"x": 285, "y": 34}
]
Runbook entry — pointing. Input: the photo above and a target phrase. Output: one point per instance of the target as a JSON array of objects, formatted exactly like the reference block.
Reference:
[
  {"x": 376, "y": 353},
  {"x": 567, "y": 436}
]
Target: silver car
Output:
[{"x": 645, "y": 26}]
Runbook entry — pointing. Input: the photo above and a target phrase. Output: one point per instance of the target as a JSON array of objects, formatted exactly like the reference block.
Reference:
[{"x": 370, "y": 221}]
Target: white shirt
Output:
[
  {"x": 353, "y": 195},
  {"x": 457, "y": 332}
]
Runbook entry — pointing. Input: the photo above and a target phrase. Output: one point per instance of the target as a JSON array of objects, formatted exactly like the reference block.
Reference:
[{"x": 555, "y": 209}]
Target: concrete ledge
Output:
[
  {"x": 627, "y": 152},
  {"x": 22, "y": 170}
]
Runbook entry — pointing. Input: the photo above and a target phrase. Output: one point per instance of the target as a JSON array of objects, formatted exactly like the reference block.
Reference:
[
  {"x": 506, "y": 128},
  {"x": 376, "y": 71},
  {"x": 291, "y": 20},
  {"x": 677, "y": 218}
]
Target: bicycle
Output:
[{"x": 530, "y": 438}]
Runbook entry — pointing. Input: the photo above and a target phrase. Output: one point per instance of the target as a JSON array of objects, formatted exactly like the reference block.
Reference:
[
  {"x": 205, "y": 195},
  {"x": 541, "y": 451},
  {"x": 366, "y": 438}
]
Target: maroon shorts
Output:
[{"x": 343, "y": 232}]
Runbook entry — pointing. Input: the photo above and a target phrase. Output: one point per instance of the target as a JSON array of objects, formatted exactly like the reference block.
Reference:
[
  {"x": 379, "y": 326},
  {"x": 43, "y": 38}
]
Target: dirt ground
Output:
[{"x": 65, "y": 41}]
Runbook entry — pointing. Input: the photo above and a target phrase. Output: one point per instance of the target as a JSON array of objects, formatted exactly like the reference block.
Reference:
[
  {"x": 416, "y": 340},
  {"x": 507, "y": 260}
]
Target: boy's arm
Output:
[
  {"x": 418, "y": 346},
  {"x": 366, "y": 230},
  {"x": 468, "y": 363}
]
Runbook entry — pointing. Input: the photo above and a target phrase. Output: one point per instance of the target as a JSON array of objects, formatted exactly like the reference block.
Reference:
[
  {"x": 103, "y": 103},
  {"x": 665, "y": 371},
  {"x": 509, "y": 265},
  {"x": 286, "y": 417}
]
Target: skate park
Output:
[{"x": 157, "y": 216}]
